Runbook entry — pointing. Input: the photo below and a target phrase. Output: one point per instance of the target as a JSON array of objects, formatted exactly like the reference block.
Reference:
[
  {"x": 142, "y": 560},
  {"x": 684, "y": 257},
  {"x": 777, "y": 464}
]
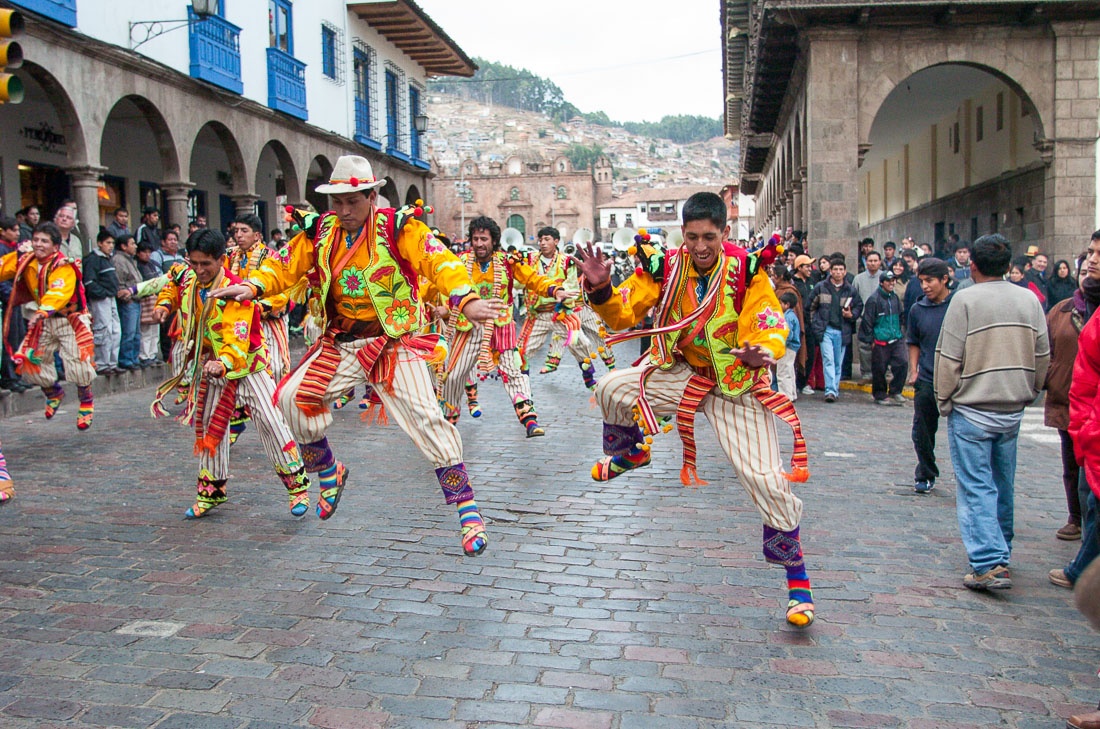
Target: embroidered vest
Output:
[
  {"x": 500, "y": 287},
  {"x": 21, "y": 293},
  {"x": 560, "y": 269}
]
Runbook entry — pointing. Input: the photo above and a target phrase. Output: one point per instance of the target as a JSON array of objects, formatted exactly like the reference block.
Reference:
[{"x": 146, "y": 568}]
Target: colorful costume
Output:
[
  {"x": 365, "y": 291},
  {"x": 493, "y": 346},
  {"x": 593, "y": 329},
  {"x": 55, "y": 285},
  {"x": 229, "y": 332},
  {"x": 7, "y": 487},
  {"x": 272, "y": 319},
  {"x": 700, "y": 319}
]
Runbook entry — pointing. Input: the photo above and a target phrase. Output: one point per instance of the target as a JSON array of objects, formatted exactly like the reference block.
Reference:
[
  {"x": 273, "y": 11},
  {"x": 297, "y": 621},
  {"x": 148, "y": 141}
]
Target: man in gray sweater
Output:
[{"x": 991, "y": 360}]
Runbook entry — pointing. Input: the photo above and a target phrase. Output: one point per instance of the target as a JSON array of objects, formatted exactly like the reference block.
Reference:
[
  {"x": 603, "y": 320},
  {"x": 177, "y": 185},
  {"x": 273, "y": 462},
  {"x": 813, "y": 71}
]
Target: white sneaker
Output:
[{"x": 807, "y": 390}]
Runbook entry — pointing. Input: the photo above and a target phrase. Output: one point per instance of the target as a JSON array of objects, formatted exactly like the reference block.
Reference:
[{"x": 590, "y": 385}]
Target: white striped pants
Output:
[
  {"x": 257, "y": 391},
  {"x": 745, "y": 430},
  {"x": 580, "y": 348},
  {"x": 411, "y": 402},
  {"x": 275, "y": 357},
  {"x": 58, "y": 336},
  {"x": 590, "y": 325},
  {"x": 462, "y": 363}
]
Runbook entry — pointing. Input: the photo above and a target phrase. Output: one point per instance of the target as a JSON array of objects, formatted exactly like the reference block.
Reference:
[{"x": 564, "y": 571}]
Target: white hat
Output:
[{"x": 352, "y": 173}]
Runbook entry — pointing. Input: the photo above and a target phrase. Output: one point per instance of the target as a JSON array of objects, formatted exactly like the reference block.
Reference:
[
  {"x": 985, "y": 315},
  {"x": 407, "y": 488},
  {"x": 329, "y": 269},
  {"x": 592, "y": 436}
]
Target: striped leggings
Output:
[{"x": 745, "y": 430}]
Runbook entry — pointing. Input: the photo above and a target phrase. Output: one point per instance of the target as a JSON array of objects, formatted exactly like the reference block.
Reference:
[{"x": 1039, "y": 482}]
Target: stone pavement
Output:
[{"x": 631, "y": 605}]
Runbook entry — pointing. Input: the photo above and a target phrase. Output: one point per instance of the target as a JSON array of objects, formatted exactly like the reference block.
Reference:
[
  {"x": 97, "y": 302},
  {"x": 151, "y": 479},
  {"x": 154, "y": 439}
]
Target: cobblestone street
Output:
[{"x": 631, "y": 605}]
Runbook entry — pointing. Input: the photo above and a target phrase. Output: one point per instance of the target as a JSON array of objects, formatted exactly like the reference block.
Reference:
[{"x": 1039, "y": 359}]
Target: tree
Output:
[{"x": 582, "y": 157}]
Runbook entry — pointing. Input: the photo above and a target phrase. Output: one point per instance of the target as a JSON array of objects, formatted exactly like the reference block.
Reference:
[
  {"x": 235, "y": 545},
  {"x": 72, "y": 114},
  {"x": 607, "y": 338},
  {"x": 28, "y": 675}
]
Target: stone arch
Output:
[
  {"x": 291, "y": 184},
  {"x": 412, "y": 195},
  {"x": 318, "y": 173},
  {"x": 390, "y": 192},
  {"x": 166, "y": 145},
  {"x": 241, "y": 181},
  {"x": 77, "y": 146}
]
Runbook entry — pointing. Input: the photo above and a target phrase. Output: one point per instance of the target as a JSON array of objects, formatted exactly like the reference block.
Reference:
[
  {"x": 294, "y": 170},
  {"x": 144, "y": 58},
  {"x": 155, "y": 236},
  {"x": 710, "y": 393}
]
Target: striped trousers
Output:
[
  {"x": 257, "y": 392},
  {"x": 745, "y": 430},
  {"x": 590, "y": 325},
  {"x": 463, "y": 358},
  {"x": 580, "y": 347},
  {"x": 58, "y": 336},
  {"x": 273, "y": 340},
  {"x": 409, "y": 399}
]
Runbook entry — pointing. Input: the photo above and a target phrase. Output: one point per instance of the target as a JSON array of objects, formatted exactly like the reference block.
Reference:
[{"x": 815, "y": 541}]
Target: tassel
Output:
[
  {"x": 798, "y": 475},
  {"x": 367, "y": 416},
  {"x": 687, "y": 473}
]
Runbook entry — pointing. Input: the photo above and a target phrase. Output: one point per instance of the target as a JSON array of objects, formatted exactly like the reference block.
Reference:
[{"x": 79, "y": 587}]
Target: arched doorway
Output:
[
  {"x": 388, "y": 196},
  {"x": 412, "y": 195},
  {"x": 139, "y": 153},
  {"x": 219, "y": 173},
  {"x": 516, "y": 221},
  {"x": 320, "y": 170},
  {"x": 950, "y": 155},
  {"x": 276, "y": 181}
]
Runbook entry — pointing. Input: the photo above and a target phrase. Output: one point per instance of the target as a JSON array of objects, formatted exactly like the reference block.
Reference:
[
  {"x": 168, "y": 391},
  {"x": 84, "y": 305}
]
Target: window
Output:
[
  {"x": 611, "y": 223},
  {"x": 670, "y": 207},
  {"x": 955, "y": 138},
  {"x": 1000, "y": 111},
  {"x": 414, "y": 111},
  {"x": 332, "y": 52},
  {"x": 362, "y": 63},
  {"x": 641, "y": 208},
  {"x": 629, "y": 222},
  {"x": 979, "y": 124},
  {"x": 391, "y": 109},
  {"x": 562, "y": 193},
  {"x": 279, "y": 29},
  {"x": 513, "y": 194}
]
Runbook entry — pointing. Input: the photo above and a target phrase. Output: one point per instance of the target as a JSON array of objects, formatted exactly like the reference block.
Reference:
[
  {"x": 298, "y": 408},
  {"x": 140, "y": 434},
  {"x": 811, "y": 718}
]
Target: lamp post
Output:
[
  {"x": 465, "y": 194},
  {"x": 201, "y": 9},
  {"x": 553, "y": 197}
]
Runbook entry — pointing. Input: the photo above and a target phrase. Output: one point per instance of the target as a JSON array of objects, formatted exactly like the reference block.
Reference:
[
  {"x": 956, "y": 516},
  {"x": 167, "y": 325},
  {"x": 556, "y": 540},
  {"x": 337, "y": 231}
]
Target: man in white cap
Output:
[{"x": 363, "y": 264}]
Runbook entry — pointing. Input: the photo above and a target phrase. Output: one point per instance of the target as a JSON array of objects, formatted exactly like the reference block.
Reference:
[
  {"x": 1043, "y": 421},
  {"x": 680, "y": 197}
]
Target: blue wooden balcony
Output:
[
  {"x": 215, "y": 51},
  {"x": 286, "y": 84},
  {"x": 63, "y": 11}
]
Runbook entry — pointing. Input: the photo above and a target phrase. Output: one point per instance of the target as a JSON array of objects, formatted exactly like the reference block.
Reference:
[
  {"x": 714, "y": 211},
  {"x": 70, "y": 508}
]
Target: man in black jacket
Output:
[
  {"x": 880, "y": 328},
  {"x": 101, "y": 289},
  {"x": 835, "y": 307}
]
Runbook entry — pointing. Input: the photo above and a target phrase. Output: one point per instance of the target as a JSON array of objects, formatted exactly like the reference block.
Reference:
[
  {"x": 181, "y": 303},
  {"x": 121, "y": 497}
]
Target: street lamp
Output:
[
  {"x": 201, "y": 9},
  {"x": 420, "y": 121}
]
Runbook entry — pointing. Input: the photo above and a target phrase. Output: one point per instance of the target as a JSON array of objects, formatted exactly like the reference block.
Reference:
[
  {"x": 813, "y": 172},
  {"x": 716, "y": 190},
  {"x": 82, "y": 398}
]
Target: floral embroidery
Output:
[
  {"x": 769, "y": 318},
  {"x": 57, "y": 283},
  {"x": 400, "y": 313},
  {"x": 353, "y": 281},
  {"x": 381, "y": 273},
  {"x": 282, "y": 255},
  {"x": 736, "y": 376},
  {"x": 240, "y": 329}
]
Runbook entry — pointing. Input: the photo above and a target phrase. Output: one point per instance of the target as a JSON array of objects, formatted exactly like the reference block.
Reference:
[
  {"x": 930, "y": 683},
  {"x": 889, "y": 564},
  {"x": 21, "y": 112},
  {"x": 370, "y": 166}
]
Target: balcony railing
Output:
[
  {"x": 63, "y": 11},
  {"x": 362, "y": 125},
  {"x": 215, "y": 51},
  {"x": 286, "y": 84}
]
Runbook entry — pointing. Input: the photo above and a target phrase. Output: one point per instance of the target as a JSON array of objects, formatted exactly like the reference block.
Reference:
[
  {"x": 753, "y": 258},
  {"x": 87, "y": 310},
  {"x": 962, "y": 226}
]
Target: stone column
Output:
[
  {"x": 85, "y": 184},
  {"x": 1069, "y": 211},
  {"x": 832, "y": 127},
  {"x": 796, "y": 201},
  {"x": 176, "y": 195},
  {"x": 246, "y": 204}
]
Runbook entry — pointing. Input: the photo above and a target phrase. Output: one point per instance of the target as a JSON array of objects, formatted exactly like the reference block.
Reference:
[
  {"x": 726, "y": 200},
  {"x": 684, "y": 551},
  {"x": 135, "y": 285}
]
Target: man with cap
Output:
[
  {"x": 803, "y": 270},
  {"x": 880, "y": 328},
  {"x": 363, "y": 265}
]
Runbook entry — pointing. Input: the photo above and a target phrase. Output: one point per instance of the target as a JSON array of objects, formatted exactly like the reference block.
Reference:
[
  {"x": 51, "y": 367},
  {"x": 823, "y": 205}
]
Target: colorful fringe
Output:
[
  {"x": 311, "y": 392},
  {"x": 208, "y": 438}
]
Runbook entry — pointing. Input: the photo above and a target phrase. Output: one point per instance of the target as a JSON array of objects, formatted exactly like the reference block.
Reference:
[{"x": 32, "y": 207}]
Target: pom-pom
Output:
[
  {"x": 667, "y": 428},
  {"x": 289, "y": 208},
  {"x": 429, "y": 209},
  {"x": 632, "y": 250},
  {"x": 587, "y": 361},
  {"x": 780, "y": 250},
  {"x": 642, "y": 232},
  {"x": 419, "y": 203},
  {"x": 646, "y": 447},
  {"x": 354, "y": 182},
  {"x": 639, "y": 239},
  {"x": 601, "y": 350},
  {"x": 418, "y": 211},
  {"x": 649, "y": 440},
  {"x": 638, "y": 270}
]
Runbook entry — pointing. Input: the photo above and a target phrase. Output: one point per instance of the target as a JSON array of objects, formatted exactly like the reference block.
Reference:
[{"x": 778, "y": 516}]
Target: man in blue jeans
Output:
[
  {"x": 834, "y": 308},
  {"x": 991, "y": 361}
]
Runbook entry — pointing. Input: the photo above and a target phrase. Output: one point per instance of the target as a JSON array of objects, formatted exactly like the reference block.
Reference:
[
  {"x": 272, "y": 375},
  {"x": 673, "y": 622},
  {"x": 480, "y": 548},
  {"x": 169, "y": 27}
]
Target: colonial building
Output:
[
  {"x": 894, "y": 118},
  {"x": 132, "y": 103},
  {"x": 655, "y": 209},
  {"x": 524, "y": 191}
]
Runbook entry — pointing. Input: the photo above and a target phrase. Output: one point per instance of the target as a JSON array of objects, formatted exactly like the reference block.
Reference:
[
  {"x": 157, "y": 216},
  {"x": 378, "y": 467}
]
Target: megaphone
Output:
[
  {"x": 623, "y": 239},
  {"x": 511, "y": 238},
  {"x": 582, "y": 236},
  {"x": 675, "y": 239}
]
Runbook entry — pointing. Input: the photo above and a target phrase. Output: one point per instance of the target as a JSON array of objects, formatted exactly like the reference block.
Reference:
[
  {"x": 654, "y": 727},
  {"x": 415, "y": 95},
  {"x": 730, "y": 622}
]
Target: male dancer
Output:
[
  {"x": 241, "y": 261},
  {"x": 362, "y": 264},
  {"x": 493, "y": 345},
  {"x": 60, "y": 324},
  {"x": 224, "y": 360},
  {"x": 718, "y": 328},
  {"x": 546, "y": 315}
]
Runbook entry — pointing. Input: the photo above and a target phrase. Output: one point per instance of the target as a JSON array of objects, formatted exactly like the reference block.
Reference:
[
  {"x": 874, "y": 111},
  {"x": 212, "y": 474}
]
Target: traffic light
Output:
[{"x": 11, "y": 56}]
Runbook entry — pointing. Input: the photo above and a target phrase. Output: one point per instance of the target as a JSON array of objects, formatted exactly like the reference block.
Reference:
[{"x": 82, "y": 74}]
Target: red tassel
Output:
[
  {"x": 798, "y": 475},
  {"x": 687, "y": 473}
]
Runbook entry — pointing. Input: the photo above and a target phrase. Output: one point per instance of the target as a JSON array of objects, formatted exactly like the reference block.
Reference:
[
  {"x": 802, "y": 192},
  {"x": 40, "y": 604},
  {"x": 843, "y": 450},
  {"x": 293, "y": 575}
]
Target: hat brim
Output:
[{"x": 342, "y": 187}]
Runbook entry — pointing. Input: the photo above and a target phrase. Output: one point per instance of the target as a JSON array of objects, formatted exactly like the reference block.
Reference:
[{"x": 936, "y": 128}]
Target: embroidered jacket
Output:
[
  {"x": 498, "y": 279},
  {"x": 744, "y": 310},
  {"x": 232, "y": 333},
  {"x": 54, "y": 285},
  {"x": 243, "y": 265},
  {"x": 379, "y": 280},
  {"x": 561, "y": 269}
]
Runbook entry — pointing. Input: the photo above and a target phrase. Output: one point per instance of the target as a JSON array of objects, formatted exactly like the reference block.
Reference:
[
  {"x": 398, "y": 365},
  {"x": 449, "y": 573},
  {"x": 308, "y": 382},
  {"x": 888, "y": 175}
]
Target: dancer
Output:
[
  {"x": 492, "y": 346},
  {"x": 60, "y": 324},
  {"x": 718, "y": 329},
  {"x": 249, "y": 253},
  {"x": 225, "y": 361},
  {"x": 7, "y": 486},
  {"x": 547, "y": 315},
  {"x": 362, "y": 264}
]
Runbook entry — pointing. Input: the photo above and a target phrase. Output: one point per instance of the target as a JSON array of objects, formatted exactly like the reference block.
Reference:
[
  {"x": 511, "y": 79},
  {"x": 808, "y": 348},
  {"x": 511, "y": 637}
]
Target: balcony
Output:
[
  {"x": 215, "y": 51},
  {"x": 286, "y": 84},
  {"x": 362, "y": 125},
  {"x": 63, "y": 11}
]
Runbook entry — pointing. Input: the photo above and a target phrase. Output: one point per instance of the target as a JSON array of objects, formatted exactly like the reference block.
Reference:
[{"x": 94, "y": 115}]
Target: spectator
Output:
[
  {"x": 149, "y": 230},
  {"x": 821, "y": 272},
  {"x": 277, "y": 239},
  {"x": 1018, "y": 274},
  {"x": 834, "y": 307},
  {"x": 1082, "y": 383},
  {"x": 925, "y": 248},
  {"x": 889, "y": 255},
  {"x": 907, "y": 244},
  {"x": 960, "y": 262},
  {"x": 900, "y": 271},
  {"x": 9, "y": 243},
  {"x": 120, "y": 225},
  {"x": 991, "y": 361},
  {"x": 803, "y": 270},
  {"x": 923, "y": 325},
  {"x": 865, "y": 247},
  {"x": 866, "y": 283},
  {"x": 880, "y": 327},
  {"x": 1039, "y": 262},
  {"x": 71, "y": 246},
  {"x": 1061, "y": 284},
  {"x": 129, "y": 311},
  {"x": 31, "y": 218},
  {"x": 150, "y": 327},
  {"x": 102, "y": 290},
  {"x": 169, "y": 254},
  {"x": 784, "y": 369},
  {"x": 912, "y": 287}
]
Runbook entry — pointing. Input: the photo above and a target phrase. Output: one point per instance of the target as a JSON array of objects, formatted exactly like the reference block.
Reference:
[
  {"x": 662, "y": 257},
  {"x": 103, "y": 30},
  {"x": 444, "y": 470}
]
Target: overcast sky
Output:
[{"x": 626, "y": 57}]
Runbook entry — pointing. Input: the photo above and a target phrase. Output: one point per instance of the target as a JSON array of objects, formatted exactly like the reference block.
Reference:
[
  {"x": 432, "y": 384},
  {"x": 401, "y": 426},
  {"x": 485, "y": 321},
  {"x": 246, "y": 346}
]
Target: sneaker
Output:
[
  {"x": 830, "y": 397},
  {"x": 1058, "y": 577},
  {"x": 1069, "y": 533},
  {"x": 925, "y": 486},
  {"x": 900, "y": 398},
  {"x": 883, "y": 401},
  {"x": 996, "y": 578},
  {"x": 807, "y": 390}
]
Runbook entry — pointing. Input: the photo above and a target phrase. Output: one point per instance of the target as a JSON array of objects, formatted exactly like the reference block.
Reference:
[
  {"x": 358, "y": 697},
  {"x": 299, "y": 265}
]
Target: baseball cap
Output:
[
  {"x": 800, "y": 260},
  {"x": 886, "y": 276}
]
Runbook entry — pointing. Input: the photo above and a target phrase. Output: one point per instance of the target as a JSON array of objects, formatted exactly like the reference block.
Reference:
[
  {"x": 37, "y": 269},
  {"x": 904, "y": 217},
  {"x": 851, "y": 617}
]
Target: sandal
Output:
[
  {"x": 330, "y": 498},
  {"x": 474, "y": 532},
  {"x": 7, "y": 493},
  {"x": 53, "y": 403},
  {"x": 609, "y": 467},
  {"x": 343, "y": 400},
  {"x": 83, "y": 422},
  {"x": 203, "y": 506},
  {"x": 299, "y": 502},
  {"x": 800, "y": 614}
]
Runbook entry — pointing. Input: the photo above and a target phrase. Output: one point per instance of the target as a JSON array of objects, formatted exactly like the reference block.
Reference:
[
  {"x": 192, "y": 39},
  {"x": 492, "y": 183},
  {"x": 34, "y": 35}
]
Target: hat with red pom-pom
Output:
[{"x": 352, "y": 173}]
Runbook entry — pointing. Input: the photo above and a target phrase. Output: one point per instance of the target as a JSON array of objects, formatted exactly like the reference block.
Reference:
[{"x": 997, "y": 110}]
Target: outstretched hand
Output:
[
  {"x": 237, "y": 292},
  {"x": 562, "y": 294},
  {"x": 753, "y": 356},
  {"x": 594, "y": 265},
  {"x": 483, "y": 310}
]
